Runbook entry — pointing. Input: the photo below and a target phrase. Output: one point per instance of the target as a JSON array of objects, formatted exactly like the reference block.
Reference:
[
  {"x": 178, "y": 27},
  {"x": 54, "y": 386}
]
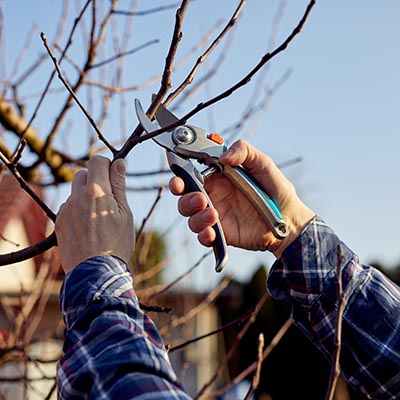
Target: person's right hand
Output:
[{"x": 242, "y": 225}]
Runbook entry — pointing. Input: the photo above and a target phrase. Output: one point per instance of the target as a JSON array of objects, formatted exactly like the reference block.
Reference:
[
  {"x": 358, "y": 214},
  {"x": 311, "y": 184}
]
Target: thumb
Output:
[
  {"x": 241, "y": 152},
  {"x": 118, "y": 181}
]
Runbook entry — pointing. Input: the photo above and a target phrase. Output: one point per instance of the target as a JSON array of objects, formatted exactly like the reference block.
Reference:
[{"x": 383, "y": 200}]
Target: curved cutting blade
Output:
[{"x": 164, "y": 139}]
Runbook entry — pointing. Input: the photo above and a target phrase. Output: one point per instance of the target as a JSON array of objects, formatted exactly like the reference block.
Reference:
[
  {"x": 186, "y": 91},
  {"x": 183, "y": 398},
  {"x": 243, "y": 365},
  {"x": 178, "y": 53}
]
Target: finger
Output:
[
  {"x": 207, "y": 236},
  {"x": 243, "y": 153},
  {"x": 118, "y": 182},
  {"x": 203, "y": 219},
  {"x": 98, "y": 175},
  {"x": 258, "y": 164},
  {"x": 236, "y": 154},
  {"x": 176, "y": 186},
  {"x": 191, "y": 203},
  {"x": 79, "y": 182}
]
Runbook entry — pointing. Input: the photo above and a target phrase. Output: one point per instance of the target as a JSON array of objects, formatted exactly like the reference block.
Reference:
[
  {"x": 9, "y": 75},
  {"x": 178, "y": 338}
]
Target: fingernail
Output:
[{"x": 229, "y": 153}]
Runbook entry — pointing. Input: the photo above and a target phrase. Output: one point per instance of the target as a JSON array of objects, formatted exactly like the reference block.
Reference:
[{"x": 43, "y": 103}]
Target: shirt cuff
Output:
[
  {"x": 98, "y": 277},
  {"x": 308, "y": 267}
]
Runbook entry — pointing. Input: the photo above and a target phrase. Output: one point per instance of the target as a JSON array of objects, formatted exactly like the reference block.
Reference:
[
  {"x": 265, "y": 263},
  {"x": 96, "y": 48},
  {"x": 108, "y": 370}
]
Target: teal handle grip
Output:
[{"x": 260, "y": 200}]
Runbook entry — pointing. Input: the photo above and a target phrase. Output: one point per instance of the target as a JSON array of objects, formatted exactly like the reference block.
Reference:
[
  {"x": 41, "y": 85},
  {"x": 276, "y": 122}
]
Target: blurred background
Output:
[{"x": 325, "y": 109}]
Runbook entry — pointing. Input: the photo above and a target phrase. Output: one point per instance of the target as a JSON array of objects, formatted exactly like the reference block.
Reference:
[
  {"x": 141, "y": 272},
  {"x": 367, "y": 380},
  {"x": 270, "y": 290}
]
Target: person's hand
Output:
[
  {"x": 242, "y": 225},
  {"x": 96, "y": 218}
]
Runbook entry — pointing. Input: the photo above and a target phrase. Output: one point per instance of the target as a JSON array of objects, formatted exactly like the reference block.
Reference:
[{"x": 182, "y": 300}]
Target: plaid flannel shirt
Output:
[
  {"x": 370, "y": 344},
  {"x": 113, "y": 350}
]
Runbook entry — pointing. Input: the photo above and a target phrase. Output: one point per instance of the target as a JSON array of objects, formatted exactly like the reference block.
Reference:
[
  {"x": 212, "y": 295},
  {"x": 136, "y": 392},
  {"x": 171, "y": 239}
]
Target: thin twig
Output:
[
  {"x": 133, "y": 139},
  {"x": 73, "y": 95},
  {"x": 124, "y": 54},
  {"x": 200, "y": 307},
  {"x": 157, "y": 309},
  {"x": 264, "y": 60},
  {"x": 256, "y": 378},
  {"x": 182, "y": 276},
  {"x": 149, "y": 214},
  {"x": 148, "y": 173},
  {"x": 240, "y": 377},
  {"x": 146, "y": 12},
  {"x": 19, "y": 60},
  {"x": 69, "y": 42},
  {"x": 259, "y": 108},
  {"x": 12, "y": 168},
  {"x": 237, "y": 321},
  {"x": 93, "y": 45},
  {"x": 335, "y": 369},
  {"x": 188, "y": 80},
  {"x": 229, "y": 354},
  {"x": 19, "y": 152}
]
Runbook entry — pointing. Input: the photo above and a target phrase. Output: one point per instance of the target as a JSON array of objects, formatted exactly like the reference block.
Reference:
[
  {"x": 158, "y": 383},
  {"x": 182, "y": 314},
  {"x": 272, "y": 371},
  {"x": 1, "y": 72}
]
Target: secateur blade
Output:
[
  {"x": 165, "y": 117},
  {"x": 163, "y": 139},
  {"x": 144, "y": 120}
]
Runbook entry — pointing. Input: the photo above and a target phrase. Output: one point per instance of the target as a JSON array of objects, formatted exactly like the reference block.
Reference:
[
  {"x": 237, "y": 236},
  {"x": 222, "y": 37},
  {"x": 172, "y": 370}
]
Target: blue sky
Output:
[{"x": 338, "y": 111}]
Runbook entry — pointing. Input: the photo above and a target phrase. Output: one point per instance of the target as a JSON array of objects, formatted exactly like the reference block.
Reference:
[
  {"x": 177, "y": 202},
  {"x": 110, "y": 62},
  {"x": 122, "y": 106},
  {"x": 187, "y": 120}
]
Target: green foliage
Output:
[{"x": 148, "y": 259}]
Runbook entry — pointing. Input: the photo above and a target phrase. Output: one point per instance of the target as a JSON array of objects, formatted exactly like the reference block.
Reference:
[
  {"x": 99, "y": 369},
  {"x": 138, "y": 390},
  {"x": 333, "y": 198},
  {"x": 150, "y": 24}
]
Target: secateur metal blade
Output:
[
  {"x": 182, "y": 144},
  {"x": 163, "y": 139}
]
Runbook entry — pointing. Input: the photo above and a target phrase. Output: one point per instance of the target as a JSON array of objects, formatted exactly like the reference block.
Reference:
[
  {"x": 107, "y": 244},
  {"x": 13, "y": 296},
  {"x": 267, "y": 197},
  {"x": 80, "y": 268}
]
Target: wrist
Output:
[{"x": 296, "y": 224}]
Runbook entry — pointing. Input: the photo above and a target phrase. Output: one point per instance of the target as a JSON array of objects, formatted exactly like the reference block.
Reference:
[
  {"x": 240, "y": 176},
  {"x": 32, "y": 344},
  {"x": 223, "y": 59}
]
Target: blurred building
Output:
[{"x": 29, "y": 308}]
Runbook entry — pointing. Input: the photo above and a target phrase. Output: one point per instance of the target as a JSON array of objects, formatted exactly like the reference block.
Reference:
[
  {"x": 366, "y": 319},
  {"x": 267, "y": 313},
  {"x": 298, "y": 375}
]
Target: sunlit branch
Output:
[
  {"x": 264, "y": 60},
  {"x": 71, "y": 92},
  {"x": 188, "y": 80},
  {"x": 47, "y": 87},
  {"x": 165, "y": 80}
]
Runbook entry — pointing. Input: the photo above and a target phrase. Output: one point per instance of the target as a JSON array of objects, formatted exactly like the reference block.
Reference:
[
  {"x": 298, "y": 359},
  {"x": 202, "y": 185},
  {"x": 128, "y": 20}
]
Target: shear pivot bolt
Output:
[{"x": 183, "y": 134}]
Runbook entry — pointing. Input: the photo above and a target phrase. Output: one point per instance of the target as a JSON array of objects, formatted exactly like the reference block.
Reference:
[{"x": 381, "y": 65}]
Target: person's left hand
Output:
[{"x": 96, "y": 218}]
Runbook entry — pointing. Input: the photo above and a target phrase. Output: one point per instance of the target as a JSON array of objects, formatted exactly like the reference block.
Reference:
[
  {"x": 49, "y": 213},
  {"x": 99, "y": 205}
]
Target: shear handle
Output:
[
  {"x": 185, "y": 170},
  {"x": 265, "y": 206}
]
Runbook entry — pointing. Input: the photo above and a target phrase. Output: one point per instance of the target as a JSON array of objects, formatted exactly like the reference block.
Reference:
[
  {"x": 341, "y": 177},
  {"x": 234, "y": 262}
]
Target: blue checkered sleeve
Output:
[
  {"x": 112, "y": 349},
  {"x": 370, "y": 347}
]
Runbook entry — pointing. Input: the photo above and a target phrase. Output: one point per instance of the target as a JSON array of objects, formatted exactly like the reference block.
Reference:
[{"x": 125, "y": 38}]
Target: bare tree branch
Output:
[
  {"x": 244, "y": 81},
  {"x": 188, "y": 80},
  {"x": 69, "y": 42},
  {"x": 12, "y": 168},
  {"x": 13, "y": 122},
  {"x": 165, "y": 81},
  {"x": 246, "y": 372},
  {"x": 147, "y": 12},
  {"x": 200, "y": 307},
  {"x": 124, "y": 54},
  {"x": 202, "y": 393},
  {"x": 237, "y": 321},
  {"x": 335, "y": 369},
  {"x": 256, "y": 378},
  {"x": 71, "y": 92}
]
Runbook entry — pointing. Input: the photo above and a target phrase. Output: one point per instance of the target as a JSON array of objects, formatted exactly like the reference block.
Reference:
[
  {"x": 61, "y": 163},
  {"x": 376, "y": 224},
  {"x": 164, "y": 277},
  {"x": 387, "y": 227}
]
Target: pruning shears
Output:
[{"x": 185, "y": 143}]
